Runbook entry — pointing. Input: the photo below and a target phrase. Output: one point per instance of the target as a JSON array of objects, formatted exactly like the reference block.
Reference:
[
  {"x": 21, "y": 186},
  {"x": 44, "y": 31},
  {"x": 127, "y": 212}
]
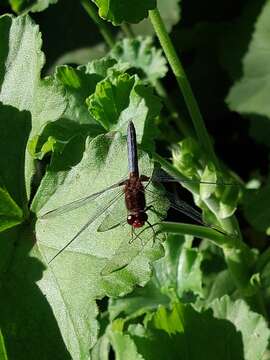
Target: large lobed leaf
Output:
[
  {"x": 21, "y": 61},
  {"x": 178, "y": 273},
  {"x": 74, "y": 278},
  {"x": 140, "y": 53},
  {"x": 250, "y": 94},
  {"x": 60, "y": 298}
]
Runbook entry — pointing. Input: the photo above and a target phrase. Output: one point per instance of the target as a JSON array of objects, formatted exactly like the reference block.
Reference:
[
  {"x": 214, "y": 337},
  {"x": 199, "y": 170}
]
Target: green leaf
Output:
[
  {"x": 256, "y": 208},
  {"x": 77, "y": 86},
  {"x": 119, "y": 11},
  {"x": 180, "y": 268},
  {"x": 28, "y": 324},
  {"x": 172, "y": 332},
  {"x": 101, "y": 67},
  {"x": 170, "y": 11},
  {"x": 222, "y": 284},
  {"x": 252, "y": 326},
  {"x": 140, "y": 54},
  {"x": 110, "y": 99},
  {"x": 21, "y": 86},
  {"x": 177, "y": 273},
  {"x": 101, "y": 349},
  {"x": 217, "y": 279},
  {"x": 75, "y": 120},
  {"x": 21, "y": 61},
  {"x": 14, "y": 131},
  {"x": 250, "y": 94},
  {"x": 216, "y": 200},
  {"x": 74, "y": 278},
  {"x": 3, "y": 352},
  {"x": 209, "y": 175},
  {"x": 234, "y": 48},
  {"x": 124, "y": 347},
  {"x": 120, "y": 98},
  {"x": 10, "y": 213},
  {"x": 19, "y": 6}
]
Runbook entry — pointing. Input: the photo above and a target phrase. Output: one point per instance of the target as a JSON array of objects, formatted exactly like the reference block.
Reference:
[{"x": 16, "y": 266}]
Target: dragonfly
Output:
[{"x": 134, "y": 189}]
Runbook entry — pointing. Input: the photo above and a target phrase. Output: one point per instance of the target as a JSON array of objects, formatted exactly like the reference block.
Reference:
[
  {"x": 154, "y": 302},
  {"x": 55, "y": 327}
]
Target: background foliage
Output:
[{"x": 69, "y": 83}]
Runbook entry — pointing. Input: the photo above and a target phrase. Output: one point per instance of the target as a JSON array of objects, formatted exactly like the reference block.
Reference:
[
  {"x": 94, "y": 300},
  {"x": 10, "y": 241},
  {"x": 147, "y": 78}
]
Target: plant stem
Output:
[
  {"x": 183, "y": 83},
  {"x": 239, "y": 258},
  {"x": 91, "y": 10},
  {"x": 127, "y": 30},
  {"x": 194, "y": 230}
]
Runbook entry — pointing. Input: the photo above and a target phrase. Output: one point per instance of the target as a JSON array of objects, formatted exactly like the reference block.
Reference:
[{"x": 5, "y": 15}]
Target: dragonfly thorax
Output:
[{"x": 137, "y": 220}]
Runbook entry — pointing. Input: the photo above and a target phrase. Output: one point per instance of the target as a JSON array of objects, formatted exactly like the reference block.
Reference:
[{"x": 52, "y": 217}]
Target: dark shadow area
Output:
[
  {"x": 4, "y": 31},
  {"x": 15, "y": 127},
  {"x": 70, "y": 137},
  {"x": 67, "y": 26},
  {"x": 28, "y": 325},
  {"x": 204, "y": 337}
]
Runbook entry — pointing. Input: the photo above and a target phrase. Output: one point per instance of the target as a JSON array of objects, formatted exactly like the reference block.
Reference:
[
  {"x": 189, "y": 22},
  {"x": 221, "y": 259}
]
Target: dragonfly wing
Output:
[
  {"x": 99, "y": 211},
  {"x": 188, "y": 210},
  {"x": 77, "y": 203},
  {"x": 115, "y": 218},
  {"x": 110, "y": 222},
  {"x": 160, "y": 175}
]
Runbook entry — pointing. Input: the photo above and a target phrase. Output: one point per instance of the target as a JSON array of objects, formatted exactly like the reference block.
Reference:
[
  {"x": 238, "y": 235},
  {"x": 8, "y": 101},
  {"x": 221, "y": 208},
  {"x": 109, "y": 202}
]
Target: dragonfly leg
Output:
[
  {"x": 152, "y": 228},
  {"x": 137, "y": 236},
  {"x": 131, "y": 235},
  {"x": 147, "y": 227}
]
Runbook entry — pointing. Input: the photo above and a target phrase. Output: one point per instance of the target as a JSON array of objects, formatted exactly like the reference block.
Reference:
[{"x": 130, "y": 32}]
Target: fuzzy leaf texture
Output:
[{"x": 140, "y": 53}]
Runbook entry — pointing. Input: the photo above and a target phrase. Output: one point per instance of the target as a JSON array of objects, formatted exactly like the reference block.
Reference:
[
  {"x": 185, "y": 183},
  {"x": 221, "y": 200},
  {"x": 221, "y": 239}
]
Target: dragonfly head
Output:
[{"x": 137, "y": 220}]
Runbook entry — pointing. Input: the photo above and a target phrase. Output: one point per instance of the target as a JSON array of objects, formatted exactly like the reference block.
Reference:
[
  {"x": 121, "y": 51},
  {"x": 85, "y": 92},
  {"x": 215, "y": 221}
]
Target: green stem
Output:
[
  {"x": 91, "y": 10},
  {"x": 183, "y": 83},
  {"x": 194, "y": 230},
  {"x": 238, "y": 256},
  {"x": 182, "y": 126},
  {"x": 127, "y": 30}
]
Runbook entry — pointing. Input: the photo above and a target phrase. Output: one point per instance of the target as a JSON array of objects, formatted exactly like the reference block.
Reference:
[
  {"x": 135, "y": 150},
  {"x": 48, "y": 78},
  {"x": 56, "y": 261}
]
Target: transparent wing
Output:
[
  {"x": 100, "y": 210},
  {"x": 160, "y": 175},
  {"x": 111, "y": 222},
  {"x": 186, "y": 209},
  {"x": 77, "y": 203},
  {"x": 115, "y": 218},
  {"x": 181, "y": 206}
]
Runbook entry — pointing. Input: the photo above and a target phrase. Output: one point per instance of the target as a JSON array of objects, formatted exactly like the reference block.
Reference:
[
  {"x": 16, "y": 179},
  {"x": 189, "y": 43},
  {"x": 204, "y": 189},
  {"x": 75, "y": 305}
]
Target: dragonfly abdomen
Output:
[{"x": 135, "y": 201}]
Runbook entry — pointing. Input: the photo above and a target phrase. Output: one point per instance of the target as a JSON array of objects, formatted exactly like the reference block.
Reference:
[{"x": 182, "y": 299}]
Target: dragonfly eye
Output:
[
  {"x": 130, "y": 219},
  {"x": 137, "y": 220}
]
